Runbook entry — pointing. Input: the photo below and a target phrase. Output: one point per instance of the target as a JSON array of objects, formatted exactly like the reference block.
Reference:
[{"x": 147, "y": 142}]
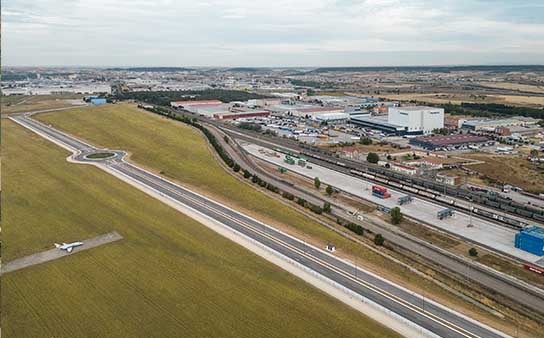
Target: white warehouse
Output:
[{"x": 417, "y": 119}]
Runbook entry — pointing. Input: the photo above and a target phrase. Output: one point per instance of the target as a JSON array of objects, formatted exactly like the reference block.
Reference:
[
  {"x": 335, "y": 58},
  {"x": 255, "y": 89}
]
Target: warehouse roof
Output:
[
  {"x": 318, "y": 109},
  {"x": 415, "y": 108},
  {"x": 451, "y": 139}
]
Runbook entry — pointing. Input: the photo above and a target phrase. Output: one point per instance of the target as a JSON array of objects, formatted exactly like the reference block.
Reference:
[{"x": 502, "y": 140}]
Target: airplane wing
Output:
[{"x": 70, "y": 249}]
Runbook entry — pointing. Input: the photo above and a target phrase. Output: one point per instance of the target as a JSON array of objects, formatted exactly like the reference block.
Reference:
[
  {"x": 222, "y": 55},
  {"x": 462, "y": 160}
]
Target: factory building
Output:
[
  {"x": 403, "y": 169},
  {"x": 449, "y": 141},
  {"x": 417, "y": 119},
  {"x": 331, "y": 117},
  {"x": 478, "y": 125},
  {"x": 531, "y": 239},
  {"x": 374, "y": 122}
]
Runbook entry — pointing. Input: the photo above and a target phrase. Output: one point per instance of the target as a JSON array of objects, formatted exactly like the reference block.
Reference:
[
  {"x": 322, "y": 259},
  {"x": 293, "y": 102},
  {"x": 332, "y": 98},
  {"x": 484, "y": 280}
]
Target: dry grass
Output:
[
  {"x": 514, "y": 86},
  {"x": 521, "y": 100},
  {"x": 514, "y": 170}
]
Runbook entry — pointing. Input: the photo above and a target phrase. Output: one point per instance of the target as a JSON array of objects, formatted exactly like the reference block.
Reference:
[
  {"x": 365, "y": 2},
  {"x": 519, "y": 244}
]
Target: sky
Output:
[{"x": 271, "y": 33}]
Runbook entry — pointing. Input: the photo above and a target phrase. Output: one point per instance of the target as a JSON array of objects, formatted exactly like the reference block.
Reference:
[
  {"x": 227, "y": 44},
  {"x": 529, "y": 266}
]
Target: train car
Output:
[
  {"x": 538, "y": 217},
  {"x": 395, "y": 184},
  {"x": 533, "y": 268},
  {"x": 381, "y": 179},
  {"x": 444, "y": 199},
  {"x": 369, "y": 176},
  {"x": 356, "y": 172},
  {"x": 341, "y": 164},
  {"x": 426, "y": 194},
  {"x": 410, "y": 189}
]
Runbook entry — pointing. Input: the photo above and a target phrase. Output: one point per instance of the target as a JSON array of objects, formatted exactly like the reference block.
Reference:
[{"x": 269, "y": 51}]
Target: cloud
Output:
[{"x": 265, "y": 33}]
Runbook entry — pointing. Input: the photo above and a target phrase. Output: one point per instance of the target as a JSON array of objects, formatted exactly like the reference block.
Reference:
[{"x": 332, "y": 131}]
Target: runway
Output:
[{"x": 416, "y": 309}]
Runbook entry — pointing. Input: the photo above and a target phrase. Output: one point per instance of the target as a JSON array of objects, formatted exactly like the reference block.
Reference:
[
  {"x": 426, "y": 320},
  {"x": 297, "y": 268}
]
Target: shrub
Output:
[
  {"x": 327, "y": 207},
  {"x": 236, "y": 167},
  {"x": 359, "y": 230},
  {"x": 396, "y": 215},
  {"x": 288, "y": 196},
  {"x": 473, "y": 252},
  {"x": 316, "y": 208},
  {"x": 379, "y": 240},
  {"x": 247, "y": 174}
]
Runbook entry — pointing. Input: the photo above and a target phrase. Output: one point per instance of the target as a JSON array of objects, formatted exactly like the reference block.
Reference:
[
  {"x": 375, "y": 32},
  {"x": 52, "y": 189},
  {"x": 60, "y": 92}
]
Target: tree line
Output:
[{"x": 163, "y": 98}]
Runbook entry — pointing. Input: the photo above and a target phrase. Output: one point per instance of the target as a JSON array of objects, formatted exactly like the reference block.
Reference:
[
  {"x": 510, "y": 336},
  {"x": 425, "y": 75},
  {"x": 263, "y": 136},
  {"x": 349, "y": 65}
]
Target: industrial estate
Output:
[{"x": 169, "y": 202}]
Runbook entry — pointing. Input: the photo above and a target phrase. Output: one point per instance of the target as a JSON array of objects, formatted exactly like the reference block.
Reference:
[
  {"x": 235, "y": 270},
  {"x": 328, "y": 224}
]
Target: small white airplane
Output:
[{"x": 68, "y": 246}]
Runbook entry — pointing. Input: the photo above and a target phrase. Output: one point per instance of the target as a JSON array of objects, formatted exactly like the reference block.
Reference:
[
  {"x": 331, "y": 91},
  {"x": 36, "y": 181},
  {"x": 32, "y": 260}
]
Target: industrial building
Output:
[
  {"x": 378, "y": 123},
  {"x": 417, "y": 119},
  {"x": 448, "y": 141},
  {"x": 491, "y": 125},
  {"x": 331, "y": 117},
  {"x": 531, "y": 239}
]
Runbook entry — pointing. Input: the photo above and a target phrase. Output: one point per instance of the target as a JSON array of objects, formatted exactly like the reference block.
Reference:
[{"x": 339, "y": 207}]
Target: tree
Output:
[
  {"x": 534, "y": 153},
  {"x": 365, "y": 141},
  {"x": 379, "y": 240},
  {"x": 236, "y": 167},
  {"x": 473, "y": 252},
  {"x": 396, "y": 215},
  {"x": 317, "y": 182},
  {"x": 327, "y": 207},
  {"x": 372, "y": 158},
  {"x": 247, "y": 174},
  {"x": 329, "y": 190}
]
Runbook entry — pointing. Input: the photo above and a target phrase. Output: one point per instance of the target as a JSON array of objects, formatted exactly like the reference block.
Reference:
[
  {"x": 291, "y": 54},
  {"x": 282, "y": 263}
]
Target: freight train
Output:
[{"x": 429, "y": 189}]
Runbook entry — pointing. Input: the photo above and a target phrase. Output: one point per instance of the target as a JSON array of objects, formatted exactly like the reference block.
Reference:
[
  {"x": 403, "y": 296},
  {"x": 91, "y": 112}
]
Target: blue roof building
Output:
[
  {"x": 98, "y": 101},
  {"x": 531, "y": 239}
]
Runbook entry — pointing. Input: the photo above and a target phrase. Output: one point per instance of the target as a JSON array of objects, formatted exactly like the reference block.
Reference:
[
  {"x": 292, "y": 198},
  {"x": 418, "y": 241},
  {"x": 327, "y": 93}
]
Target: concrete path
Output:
[{"x": 49, "y": 255}]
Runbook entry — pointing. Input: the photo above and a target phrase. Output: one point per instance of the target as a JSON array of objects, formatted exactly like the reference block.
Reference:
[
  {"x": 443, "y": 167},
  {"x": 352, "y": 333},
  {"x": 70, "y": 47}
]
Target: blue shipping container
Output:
[{"x": 531, "y": 239}]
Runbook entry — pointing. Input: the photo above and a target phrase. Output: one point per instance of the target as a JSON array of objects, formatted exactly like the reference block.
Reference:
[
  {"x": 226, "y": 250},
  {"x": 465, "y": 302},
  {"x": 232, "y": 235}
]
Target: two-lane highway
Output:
[{"x": 416, "y": 309}]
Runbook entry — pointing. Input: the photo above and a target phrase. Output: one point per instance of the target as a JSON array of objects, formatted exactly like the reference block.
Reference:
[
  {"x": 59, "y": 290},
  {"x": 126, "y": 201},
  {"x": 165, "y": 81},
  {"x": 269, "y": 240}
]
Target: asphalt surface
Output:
[
  {"x": 414, "y": 308},
  {"x": 295, "y": 147},
  {"x": 508, "y": 287},
  {"x": 49, "y": 255}
]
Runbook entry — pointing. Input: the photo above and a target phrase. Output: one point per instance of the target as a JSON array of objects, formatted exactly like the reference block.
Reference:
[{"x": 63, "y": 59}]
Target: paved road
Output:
[
  {"x": 528, "y": 296},
  {"x": 414, "y": 308},
  {"x": 49, "y": 255}
]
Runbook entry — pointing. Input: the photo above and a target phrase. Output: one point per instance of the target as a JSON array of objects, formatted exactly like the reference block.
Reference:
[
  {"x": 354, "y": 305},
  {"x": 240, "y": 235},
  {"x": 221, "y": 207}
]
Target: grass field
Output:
[
  {"x": 179, "y": 152},
  {"x": 24, "y": 103},
  {"x": 169, "y": 277}
]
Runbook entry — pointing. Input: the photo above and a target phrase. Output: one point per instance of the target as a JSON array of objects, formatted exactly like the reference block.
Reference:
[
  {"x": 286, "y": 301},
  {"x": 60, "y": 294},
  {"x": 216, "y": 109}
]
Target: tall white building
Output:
[{"x": 417, "y": 119}]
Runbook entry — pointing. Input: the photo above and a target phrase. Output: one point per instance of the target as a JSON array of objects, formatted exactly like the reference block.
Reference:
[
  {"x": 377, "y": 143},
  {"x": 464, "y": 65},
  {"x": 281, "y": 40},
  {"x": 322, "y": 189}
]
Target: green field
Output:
[
  {"x": 169, "y": 277},
  {"x": 25, "y": 103},
  {"x": 179, "y": 152}
]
